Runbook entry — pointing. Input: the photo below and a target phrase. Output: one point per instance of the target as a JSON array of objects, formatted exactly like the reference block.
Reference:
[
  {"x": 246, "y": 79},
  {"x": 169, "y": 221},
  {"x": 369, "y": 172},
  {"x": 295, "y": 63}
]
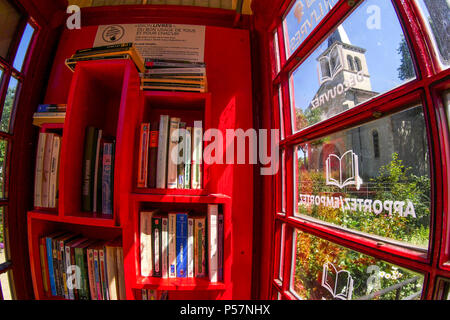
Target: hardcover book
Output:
[
  {"x": 88, "y": 169},
  {"x": 181, "y": 240}
]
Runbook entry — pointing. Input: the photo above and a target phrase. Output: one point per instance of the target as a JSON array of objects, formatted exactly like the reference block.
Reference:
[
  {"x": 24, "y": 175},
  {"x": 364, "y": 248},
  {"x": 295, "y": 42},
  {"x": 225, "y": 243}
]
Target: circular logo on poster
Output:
[{"x": 113, "y": 33}]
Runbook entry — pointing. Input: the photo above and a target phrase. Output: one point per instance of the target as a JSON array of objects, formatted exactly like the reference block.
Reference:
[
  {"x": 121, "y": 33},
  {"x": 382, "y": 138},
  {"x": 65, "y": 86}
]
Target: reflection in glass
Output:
[
  {"x": 282, "y": 244},
  {"x": 9, "y": 21},
  {"x": 2, "y": 236},
  {"x": 23, "y": 47},
  {"x": 446, "y": 100},
  {"x": 10, "y": 100},
  {"x": 3, "y": 155},
  {"x": 436, "y": 14},
  {"x": 356, "y": 63},
  {"x": 326, "y": 271},
  {"x": 343, "y": 180}
]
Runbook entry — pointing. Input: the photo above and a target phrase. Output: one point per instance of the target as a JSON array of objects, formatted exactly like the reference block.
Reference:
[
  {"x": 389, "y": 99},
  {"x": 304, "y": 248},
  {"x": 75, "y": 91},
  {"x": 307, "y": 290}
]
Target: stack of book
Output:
[
  {"x": 47, "y": 171},
  {"x": 77, "y": 268},
  {"x": 170, "y": 154},
  {"x": 98, "y": 172},
  {"x": 181, "y": 245},
  {"x": 49, "y": 113},
  {"x": 168, "y": 75},
  {"x": 151, "y": 294},
  {"x": 111, "y": 52}
]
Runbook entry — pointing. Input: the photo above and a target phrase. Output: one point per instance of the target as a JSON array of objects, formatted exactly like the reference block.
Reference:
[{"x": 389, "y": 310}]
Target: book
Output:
[
  {"x": 97, "y": 273},
  {"x": 91, "y": 272},
  {"x": 121, "y": 274},
  {"x": 220, "y": 244},
  {"x": 88, "y": 169},
  {"x": 70, "y": 266},
  {"x": 190, "y": 248},
  {"x": 338, "y": 283},
  {"x": 181, "y": 244},
  {"x": 103, "y": 276},
  {"x": 172, "y": 166},
  {"x": 143, "y": 155},
  {"x": 151, "y": 63},
  {"x": 200, "y": 247},
  {"x": 111, "y": 270},
  {"x": 146, "y": 242},
  {"x": 197, "y": 154},
  {"x": 45, "y": 108},
  {"x": 153, "y": 154},
  {"x": 39, "y": 169},
  {"x": 165, "y": 247},
  {"x": 81, "y": 258},
  {"x": 343, "y": 171},
  {"x": 157, "y": 246},
  {"x": 161, "y": 172},
  {"x": 50, "y": 261},
  {"x": 174, "y": 72},
  {"x": 62, "y": 262},
  {"x": 44, "y": 267},
  {"x": 212, "y": 242},
  {"x": 172, "y": 217},
  {"x": 46, "y": 170},
  {"x": 187, "y": 158},
  {"x": 120, "y": 46},
  {"x": 181, "y": 156},
  {"x": 97, "y": 171},
  {"x": 174, "y": 87},
  {"x": 54, "y": 172},
  {"x": 108, "y": 178}
]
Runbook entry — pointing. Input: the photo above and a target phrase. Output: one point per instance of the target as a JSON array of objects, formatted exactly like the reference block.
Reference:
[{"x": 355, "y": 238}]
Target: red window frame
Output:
[{"x": 427, "y": 89}]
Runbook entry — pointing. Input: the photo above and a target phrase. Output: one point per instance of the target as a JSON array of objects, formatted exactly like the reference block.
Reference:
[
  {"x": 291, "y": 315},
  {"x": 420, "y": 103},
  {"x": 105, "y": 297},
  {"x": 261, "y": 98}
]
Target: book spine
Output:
[
  {"x": 161, "y": 173},
  {"x": 181, "y": 242},
  {"x": 103, "y": 275},
  {"x": 79, "y": 259},
  {"x": 69, "y": 291},
  {"x": 197, "y": 155},
  {"x": 190, "y": 248},
  {"x": 200, "y": 247},
  {"x": 46, "y": 170},
  {"x": 120, "y": 274},
  {"x": 97, "y": 173},
  {"x": 97, "y": 275},
  {"x": 54, "y": 172},
  {"x": 43, "y": 108},
  {"x": 146, "y": 243},
  {"x": 63, "y": 268},
  {"x": 153, "y": 155},
  {"x": 187, "y": 158},
  {"x": 91, "y": 272},
  {"x": 144, "y": 294},
  {"x": 181, "y": 156},
  {"x": 214, "y": 3},
  {"x": 39, "y": 169},
  {"x": 156, "y": 231},
  {"x": 108, "y": 176},
  {"x": 212, "y": 241},
  {"x": 165, "y": 247},
  {"x": 220, "y": 244},
  {"x": 43, "y": 258},
  {"x": 51, "y": 271},
  {"x": 74, "y": 264},
  {"x": 56, "y": 268},
  {"x": 108, "y": 47},
  {"x": 111, "y": 272},
  {"x": 143, "y": 156},
  {"x": 226, "y": 4},
  {"x": 88, "y": 169},
  {"x": 172, "y": 167},
  {"x": 172, "y": 246}
]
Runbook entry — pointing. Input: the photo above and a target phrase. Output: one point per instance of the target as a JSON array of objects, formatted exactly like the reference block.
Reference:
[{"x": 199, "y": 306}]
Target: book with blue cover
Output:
[{"x": 182, "y": 237}]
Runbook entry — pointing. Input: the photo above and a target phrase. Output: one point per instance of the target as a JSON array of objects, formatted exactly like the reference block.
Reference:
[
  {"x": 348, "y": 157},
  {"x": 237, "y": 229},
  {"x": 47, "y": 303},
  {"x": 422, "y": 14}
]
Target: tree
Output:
[{"x": 406, "y": 69}]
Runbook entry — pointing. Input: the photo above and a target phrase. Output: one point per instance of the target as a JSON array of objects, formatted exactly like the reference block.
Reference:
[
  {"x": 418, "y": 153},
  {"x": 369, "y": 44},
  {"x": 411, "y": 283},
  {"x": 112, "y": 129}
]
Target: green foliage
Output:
[{"x": 406, "y": 68}]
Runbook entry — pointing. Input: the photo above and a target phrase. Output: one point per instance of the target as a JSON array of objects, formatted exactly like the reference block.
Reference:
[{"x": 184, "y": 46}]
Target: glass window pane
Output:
[
  {"x": 436, "y": 14},
  {"x": 341, "y": 181},
  {"x": 3, "y": 172},
  {"x": 5, "y": 285},
  {"x": 276, "y": 52},
  {"x": 446, "y": 101},
  {"x": 359, "y": 61},
  {"x": 23, "y": 47},
  {"x": 3, "y": 236},
  {"x": 280, "y": 103},
  {"x": 9, "y": 21},
  {"x": 10, "y": 100},
  {"x": 282, "y": 245},
  {"x": 326, "y": 271},
  {"x": 301, "y": 19},
  {"x": 283, "y": 182}
]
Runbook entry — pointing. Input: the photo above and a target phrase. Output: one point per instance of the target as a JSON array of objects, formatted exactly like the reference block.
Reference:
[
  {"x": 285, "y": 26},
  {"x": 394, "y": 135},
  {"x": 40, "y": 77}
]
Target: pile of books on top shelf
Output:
[
  {"x": 98, "y": 172},
  {"x": 110, "y": 52},
  {"x": 47, "y": 170},
  {"x": 49, "y": 113},
  {"x": 78, "y": 268},
  {"x": 171, "y": 75},
  {"x": 158, "y": 142},
  {"x": 182, "y": 245}
]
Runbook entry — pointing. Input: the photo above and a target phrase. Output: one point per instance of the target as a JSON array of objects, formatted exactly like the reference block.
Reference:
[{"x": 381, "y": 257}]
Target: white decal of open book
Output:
[
  {"x": 343, "y": 171},
  {"x": 338, "y": 283}
]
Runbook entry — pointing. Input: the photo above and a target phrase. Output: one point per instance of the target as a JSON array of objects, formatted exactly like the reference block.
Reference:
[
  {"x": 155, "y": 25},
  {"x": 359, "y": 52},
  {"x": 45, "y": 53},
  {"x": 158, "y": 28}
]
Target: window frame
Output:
[{"x": 430, "y": 83}]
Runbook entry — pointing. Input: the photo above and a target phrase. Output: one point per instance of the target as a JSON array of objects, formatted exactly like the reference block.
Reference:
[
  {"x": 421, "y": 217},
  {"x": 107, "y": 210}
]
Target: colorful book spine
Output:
[
  {"x": 91, "y": 272},
  {"x": 156, "y": 246},
  {"x": 187, "y": 158},
  {"x": 39, "y": 169},
  {"x": 161, "y": 173},
  {"x": 111, "y": 272},
  {"x": 172, "y": 167},
  {"x": 165, "y": 247},
  {"x": 54, "y": 172},
  {"x": 88, "y": 169},
  {"x": 220, "y": 244},
  {"x": 200, "y": 247},
  {"x": 46, "y": 170},
  {"x": 172, "y": 245},
  {"x": 146, "y": 243},
  {"x": 44, "y": 268},
  {"x": 181, "y": 156},
  {"x": 153, "y": 155},
  {"x": 108, "y": 178},
  {"x": 97, "y": 275},
  {"x": 51, "y": 271},
  {"x": 143, "y": 156},
  {"x": 212, "y": 241},
  {"x": 70, "y": 294},
  {"x": 56, "y": 268},
  {"x": 190, "y": 248},
  {"x": 197, "y": 154},
  {"x": 181, "y": 242},
  {"x": 103, "y": 275}
]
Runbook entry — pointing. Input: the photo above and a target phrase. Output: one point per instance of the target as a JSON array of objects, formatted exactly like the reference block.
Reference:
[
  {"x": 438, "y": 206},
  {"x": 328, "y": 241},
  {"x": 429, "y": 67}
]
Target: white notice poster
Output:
[{"x": 157, "y": 41}]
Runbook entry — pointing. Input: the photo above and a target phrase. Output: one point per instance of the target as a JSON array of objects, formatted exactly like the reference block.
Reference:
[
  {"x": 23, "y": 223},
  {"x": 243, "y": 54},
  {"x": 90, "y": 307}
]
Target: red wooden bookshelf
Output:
[{"x": 106, "y": 94}]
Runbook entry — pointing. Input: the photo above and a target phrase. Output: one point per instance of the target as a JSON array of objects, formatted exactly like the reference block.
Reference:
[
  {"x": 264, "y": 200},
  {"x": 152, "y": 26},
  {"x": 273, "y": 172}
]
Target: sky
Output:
[{"x": 381, "y": 45}]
